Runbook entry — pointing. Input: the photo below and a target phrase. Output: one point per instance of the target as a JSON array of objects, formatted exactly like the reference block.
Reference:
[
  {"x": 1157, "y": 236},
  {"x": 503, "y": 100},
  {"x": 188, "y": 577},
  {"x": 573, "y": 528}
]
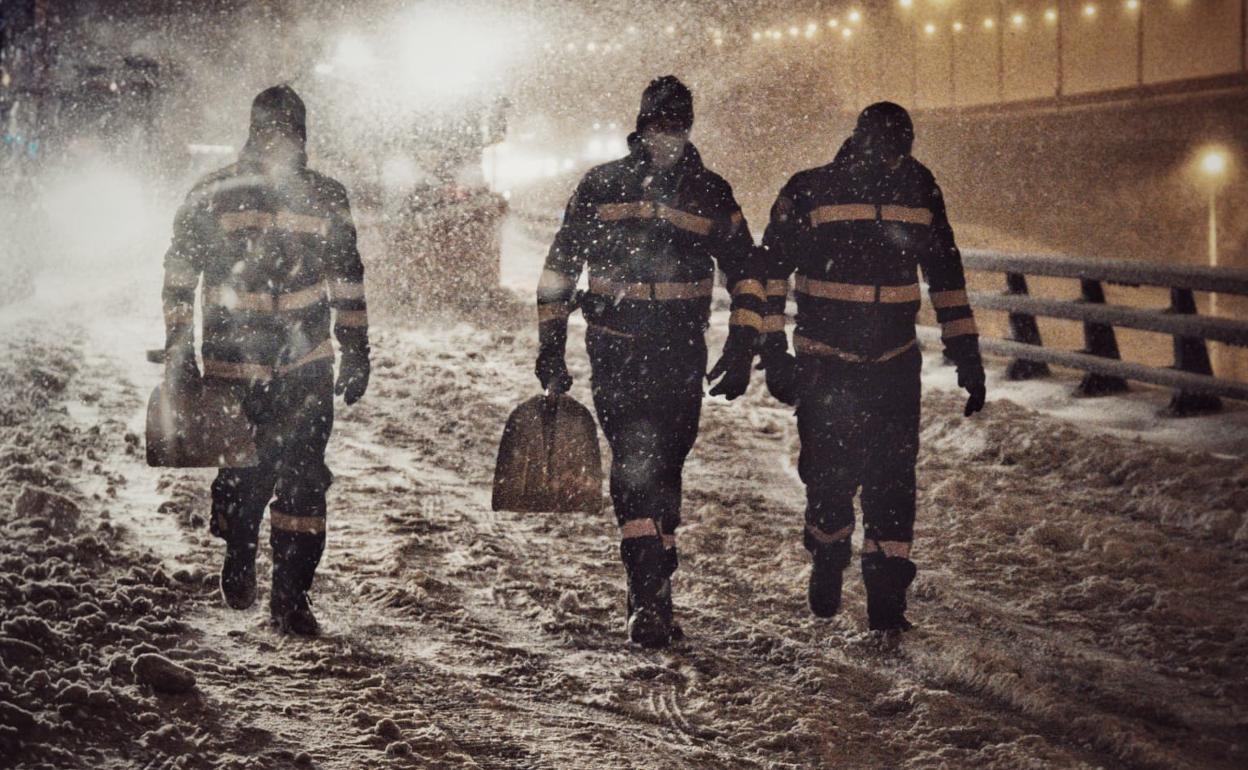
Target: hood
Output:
[
  {"x": 883, "y": 132},
  {"x": 279, "y": 132}
]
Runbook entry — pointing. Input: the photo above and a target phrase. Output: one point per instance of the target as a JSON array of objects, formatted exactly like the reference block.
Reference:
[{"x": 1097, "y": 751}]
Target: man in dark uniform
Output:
[
  {"x": 651, "y": 227},
  {"x": 275, "y": 246},
  {"x": 856, "y": 232}
]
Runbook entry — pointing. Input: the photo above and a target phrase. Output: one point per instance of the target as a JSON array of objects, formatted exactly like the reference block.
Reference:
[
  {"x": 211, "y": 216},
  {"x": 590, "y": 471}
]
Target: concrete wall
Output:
[{"x": 1099, "y": 49}]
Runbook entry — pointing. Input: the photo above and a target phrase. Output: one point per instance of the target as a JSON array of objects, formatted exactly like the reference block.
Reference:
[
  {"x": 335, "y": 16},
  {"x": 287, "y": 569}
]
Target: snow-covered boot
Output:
[
  {"x": 238, "y": 574},
  {"x": 827, "y": 568},
  {"x": 649, "y": 592},
  {"x": 886, "y": 579}
]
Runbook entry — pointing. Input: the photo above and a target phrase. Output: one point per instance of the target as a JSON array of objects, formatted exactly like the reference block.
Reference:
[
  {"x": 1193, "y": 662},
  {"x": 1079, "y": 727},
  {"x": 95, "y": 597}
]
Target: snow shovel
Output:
[
  {"x": 203, "y": 427},
  {"x": 548, "y": 460}
]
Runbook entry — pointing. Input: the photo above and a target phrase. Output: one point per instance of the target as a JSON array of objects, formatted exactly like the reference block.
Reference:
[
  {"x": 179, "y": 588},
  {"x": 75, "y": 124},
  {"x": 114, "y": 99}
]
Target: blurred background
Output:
[{"x": 1106, "y": 128}]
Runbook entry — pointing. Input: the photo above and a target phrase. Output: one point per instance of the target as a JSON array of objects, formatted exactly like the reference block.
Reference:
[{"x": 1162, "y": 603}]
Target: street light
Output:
[{"x": 1214, "y": 164}]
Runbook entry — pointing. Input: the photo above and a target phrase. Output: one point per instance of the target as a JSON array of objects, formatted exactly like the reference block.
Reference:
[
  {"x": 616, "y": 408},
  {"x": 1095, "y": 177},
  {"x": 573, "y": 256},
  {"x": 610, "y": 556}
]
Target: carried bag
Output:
[
  {"x": 201, "y": 427},
  {"x": 548, "y": 459}
]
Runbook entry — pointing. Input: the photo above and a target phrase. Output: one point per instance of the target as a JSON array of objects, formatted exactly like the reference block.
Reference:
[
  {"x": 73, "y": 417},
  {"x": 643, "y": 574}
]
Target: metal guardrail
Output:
[{"x": 1197, "y": 390}]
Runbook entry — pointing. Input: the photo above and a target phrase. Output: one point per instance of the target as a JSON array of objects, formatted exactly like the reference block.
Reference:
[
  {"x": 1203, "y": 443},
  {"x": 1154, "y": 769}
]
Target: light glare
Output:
[{"x": 1213, "y": 163}]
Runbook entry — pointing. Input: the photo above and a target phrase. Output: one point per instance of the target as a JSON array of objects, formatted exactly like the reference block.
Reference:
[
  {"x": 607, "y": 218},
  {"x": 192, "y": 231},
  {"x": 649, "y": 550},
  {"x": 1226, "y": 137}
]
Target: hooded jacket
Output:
[
  {"x": 275, "y": 246},
  {"x": 651, "y": 239},
  {"x": 856, "y": 232}
]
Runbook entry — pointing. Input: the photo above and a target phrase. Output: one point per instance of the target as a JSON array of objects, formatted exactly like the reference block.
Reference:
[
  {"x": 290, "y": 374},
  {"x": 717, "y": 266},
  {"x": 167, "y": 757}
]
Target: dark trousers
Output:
[
  {"x": 648, "y": 396},
  {"x": 293, "y": 415},
  {"x": 859, "y": 428}
]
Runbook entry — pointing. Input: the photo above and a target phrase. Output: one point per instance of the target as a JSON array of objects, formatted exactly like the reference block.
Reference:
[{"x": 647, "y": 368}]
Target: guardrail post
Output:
[
  {"x": 1098, "y": 340},
  {"x": 1190, "y": 355},
  {"x": 1023, "y": 328}
]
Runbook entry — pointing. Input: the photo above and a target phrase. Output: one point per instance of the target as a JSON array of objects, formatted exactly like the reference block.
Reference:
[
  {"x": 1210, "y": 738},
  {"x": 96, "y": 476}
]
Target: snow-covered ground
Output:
[{"x": 1081, "y": 600}]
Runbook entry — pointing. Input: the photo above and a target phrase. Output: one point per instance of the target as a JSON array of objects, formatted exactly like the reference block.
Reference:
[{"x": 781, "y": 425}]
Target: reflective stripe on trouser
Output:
[
  {"x": 293, "y": 415},
  {"x": 859, "y": 428},
  {"x": 648, "y": 397}
]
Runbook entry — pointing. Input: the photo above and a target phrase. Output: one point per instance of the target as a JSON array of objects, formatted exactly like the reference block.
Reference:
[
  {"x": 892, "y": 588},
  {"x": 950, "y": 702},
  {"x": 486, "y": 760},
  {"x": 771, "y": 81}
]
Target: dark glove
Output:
[
  {"x": 781, "y": 370},
  {"x": 353, "y": 373},
  {"x": 971, "y": 378},
  {"x": 181, "y": 369},
  {"x": 552, "y": 372},
  {"x": 734, "y": 365}
]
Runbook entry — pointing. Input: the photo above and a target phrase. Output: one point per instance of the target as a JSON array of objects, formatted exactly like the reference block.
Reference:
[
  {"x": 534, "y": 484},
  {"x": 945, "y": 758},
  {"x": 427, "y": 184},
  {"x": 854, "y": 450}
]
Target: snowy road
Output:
[{"x": 1081, "y": 599}]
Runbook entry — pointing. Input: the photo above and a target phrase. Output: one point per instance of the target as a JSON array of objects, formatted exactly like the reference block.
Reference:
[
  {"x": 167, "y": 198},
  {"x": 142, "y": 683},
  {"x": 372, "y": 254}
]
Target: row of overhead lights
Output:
[
  {"x": 836, "y": 25},
  {"x": 852, "y": 19},
  {"x": 1018, "y": 19}
]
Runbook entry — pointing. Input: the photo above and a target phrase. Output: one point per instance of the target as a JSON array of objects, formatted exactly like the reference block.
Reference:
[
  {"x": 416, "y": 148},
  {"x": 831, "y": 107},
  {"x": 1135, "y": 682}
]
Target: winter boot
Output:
[
  {"x": 289, "y": 607},
  {"x": 649, "y": 592},
  {"x": 293, "y": 615},
  {"x": 828, "y": 563},
  {"x": 665, "y": 594},
  {"x": 238, "y": 575},
  {"x": 886, "y": 579}
]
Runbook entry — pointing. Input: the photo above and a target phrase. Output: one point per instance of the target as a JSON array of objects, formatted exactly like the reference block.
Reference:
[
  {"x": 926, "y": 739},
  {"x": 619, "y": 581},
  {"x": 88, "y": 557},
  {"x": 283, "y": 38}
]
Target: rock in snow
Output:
[
  {"x": 162, "y": 674},
  {"x": 59, "y": 510}
]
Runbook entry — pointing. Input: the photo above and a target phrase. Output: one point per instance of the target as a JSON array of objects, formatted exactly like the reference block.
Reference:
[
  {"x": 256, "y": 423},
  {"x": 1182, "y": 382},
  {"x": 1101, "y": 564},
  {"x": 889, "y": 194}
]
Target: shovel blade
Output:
[{"x": 548, "y": 459}]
